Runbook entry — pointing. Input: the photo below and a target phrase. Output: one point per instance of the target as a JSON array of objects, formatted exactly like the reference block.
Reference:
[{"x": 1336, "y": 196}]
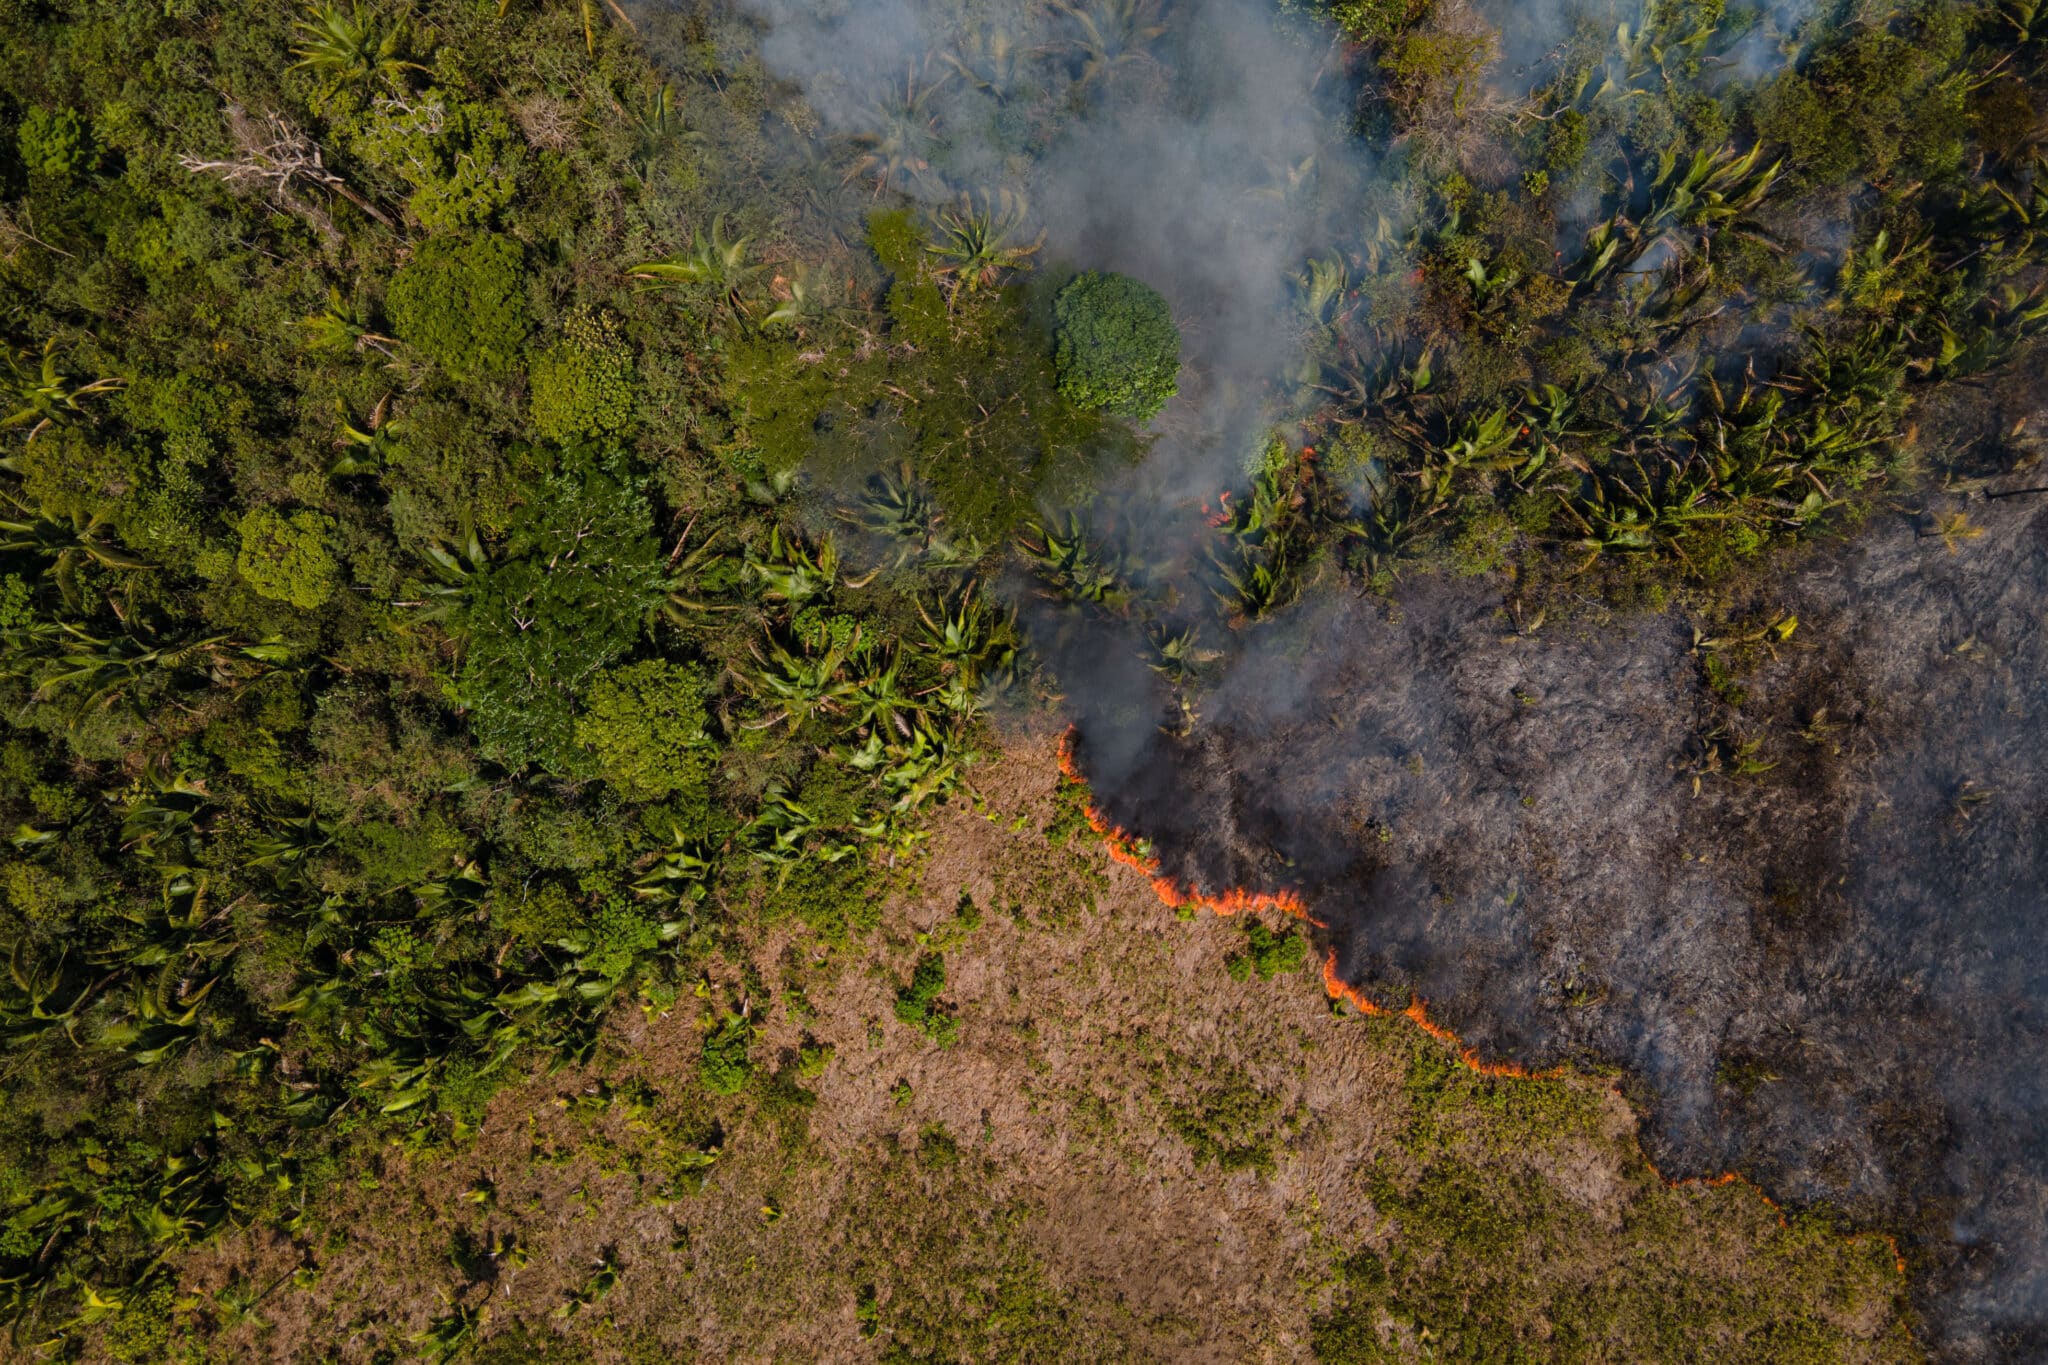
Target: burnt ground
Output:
[{"x": 1797, "y": 889}]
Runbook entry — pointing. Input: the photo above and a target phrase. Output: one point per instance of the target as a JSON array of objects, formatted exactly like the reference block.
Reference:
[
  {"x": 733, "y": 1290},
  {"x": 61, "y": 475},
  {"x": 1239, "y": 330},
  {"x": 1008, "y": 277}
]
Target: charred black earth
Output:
[{"x": 1827, "y": 972}]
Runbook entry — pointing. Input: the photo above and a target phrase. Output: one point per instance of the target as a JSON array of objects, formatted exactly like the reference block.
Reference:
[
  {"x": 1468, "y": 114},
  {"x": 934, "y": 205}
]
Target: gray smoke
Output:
[
  {"x": 1208, "y": 160},
  {"x": 1824, "y": 980}
]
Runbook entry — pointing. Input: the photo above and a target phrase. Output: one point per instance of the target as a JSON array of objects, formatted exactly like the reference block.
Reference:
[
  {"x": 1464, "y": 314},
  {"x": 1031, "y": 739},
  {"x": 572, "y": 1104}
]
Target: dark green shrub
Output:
[
  {"x": 1267, "y": 953},
  {"x": 1566, "y": 142},
  {"x": 834, "y": 900},
  {"x": 1228, "y": 1122},
  {"x": 917, "y": 1004},
  {"x": 724, "y": 1065},
  {"x": 1118, "y": 349},
  {"x": 462, "y": 302},
  {"x": 580, "y": 574}
]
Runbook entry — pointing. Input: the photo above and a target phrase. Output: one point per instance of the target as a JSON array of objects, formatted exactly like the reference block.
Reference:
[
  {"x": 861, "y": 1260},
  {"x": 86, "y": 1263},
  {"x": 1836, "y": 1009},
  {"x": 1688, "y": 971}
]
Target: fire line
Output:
[{"x": 1136, "y": 853}]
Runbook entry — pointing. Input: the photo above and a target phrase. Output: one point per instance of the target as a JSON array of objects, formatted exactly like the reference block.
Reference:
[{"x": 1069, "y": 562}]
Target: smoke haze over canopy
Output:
[{"x": 1836, "y": 988}]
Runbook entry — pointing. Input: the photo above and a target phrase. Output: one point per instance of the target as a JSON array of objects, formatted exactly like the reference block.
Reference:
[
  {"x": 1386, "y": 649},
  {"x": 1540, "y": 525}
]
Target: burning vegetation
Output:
[{"x": 533, "y": 537}]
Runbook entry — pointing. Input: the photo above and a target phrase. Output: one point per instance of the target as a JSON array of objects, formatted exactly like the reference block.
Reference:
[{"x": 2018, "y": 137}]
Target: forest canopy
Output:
[{"x": 506, "y": 509}]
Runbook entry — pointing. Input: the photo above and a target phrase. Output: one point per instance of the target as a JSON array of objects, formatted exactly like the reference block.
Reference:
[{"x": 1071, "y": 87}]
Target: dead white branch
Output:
[{"x": 275, "y": 157}]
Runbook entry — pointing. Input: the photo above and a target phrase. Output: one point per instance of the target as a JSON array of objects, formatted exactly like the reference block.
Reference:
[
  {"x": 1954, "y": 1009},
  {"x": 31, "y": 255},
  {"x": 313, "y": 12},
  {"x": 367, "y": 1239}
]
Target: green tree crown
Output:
[
  {"x": 55, "y": 143},
  {"x": 583, "y": 384},
  {"x": 582, "y": 571},
  {"x": 284, "y": 556},
  {"x": 462, "y": 301},
  {"x": 458, "y": 157},
  {"x": 1117, "y": 347},
  {"x": 645, "y": 724}
]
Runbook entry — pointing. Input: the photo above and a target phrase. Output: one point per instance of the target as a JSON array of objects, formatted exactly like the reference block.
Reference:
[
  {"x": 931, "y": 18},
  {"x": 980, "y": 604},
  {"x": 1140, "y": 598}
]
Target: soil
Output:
[{"x": 1068, "y": 1180}]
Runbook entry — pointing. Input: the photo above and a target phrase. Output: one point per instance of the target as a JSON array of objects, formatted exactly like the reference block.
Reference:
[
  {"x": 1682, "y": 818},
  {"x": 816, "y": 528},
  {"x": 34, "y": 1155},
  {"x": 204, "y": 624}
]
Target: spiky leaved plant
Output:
[
  {"x": 67, "y": 543},
  {"x": 988, "y": 59},
  {"x": 43, "y": 395},
  {"x": 1111, "y": 35},
  {"x": 800, "y": 687},
  {"x": 894, "y": 148},
  {"x": 1072, "y": 566},
  {"x": 350, "y": 47},
  {"x": 717, "y": 263},
  {"x": 789, "y": 571},
  {"x": 978, "y": 239}
]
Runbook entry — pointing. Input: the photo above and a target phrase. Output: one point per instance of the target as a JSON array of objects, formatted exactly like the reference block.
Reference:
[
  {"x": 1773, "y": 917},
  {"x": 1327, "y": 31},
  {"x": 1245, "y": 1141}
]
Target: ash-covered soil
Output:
[{"x": 1799, "y": 895}]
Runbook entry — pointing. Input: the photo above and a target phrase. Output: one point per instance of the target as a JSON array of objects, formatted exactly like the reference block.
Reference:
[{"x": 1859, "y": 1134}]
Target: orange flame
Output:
[
  {"x": 1136, "y": 853},
  {"x": 1417, "y": 1013},
  {"x": 1340, "y": 989}
]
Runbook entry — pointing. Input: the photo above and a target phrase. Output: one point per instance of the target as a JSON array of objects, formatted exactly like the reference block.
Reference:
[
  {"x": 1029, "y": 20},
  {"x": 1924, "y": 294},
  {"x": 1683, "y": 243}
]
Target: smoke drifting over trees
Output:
[
  {"x": 525, "y": 527},
  {"x": 1785, "y": 880}
]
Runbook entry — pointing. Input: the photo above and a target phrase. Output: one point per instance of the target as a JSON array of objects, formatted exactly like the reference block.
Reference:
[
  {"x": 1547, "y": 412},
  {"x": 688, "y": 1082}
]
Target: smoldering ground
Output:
[{"x": 1826, "y": 973}]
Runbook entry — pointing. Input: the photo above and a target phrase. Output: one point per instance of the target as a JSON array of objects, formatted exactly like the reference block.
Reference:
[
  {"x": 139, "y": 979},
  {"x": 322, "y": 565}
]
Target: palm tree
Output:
[
  {"x": 896, "y": 144},
  {"x": 1177, "y": 656},
  {"x": 366, "y": 451},
  {"x": 970, "y": 638},
  {"x": 1072, "y": 566},
  {"x": 104, "y": 668},
  {"x": 717, "y": 263},
  {"x": 47, "y": 395},
  {"x": 341, "y": 327},
  {"x": 805, "y": 294},
  {"x": 656, "y": 125},
  {"x": 28, "y": 997},
  {"x": 68, "y": 544},
  {"x": 680, "y": 872},
  {"x": 788, "y": 572},
  {"x": 1320, "y": 287},
  {"x": 689, "y": 588},
  {"x": 897, "y": 508},
  {"x": 988, "y": 60},
  {"x": 976, "y": 239},
  {"x": 878, "y": 701},
  {"x": 455, "y": 1331},
  {"x": 800, "y": 687},
  {"x": 1112, "y": 34},
  {"x": 350, "y": 47}
]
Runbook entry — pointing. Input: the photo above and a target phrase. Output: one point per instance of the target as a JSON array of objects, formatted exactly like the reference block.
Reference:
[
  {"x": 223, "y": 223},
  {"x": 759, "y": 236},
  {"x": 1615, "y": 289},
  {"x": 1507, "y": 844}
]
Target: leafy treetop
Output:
[
  {"x": 582, "y": 574},
  {"x": 462, "y": 301},
  {"x": 284, "y": 555},
  {"x": 1118, "y": 347},
  {"x": 645, "y": 723}
]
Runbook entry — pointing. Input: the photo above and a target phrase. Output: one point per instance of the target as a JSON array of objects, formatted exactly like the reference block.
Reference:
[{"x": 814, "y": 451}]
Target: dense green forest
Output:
[{"x": 501, "y": 507}]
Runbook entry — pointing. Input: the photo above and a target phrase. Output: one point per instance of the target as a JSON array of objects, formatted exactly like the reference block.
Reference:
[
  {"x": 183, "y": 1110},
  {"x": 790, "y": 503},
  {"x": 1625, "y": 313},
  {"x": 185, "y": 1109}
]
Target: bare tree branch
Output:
[{"x": 276, "y": 157}]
